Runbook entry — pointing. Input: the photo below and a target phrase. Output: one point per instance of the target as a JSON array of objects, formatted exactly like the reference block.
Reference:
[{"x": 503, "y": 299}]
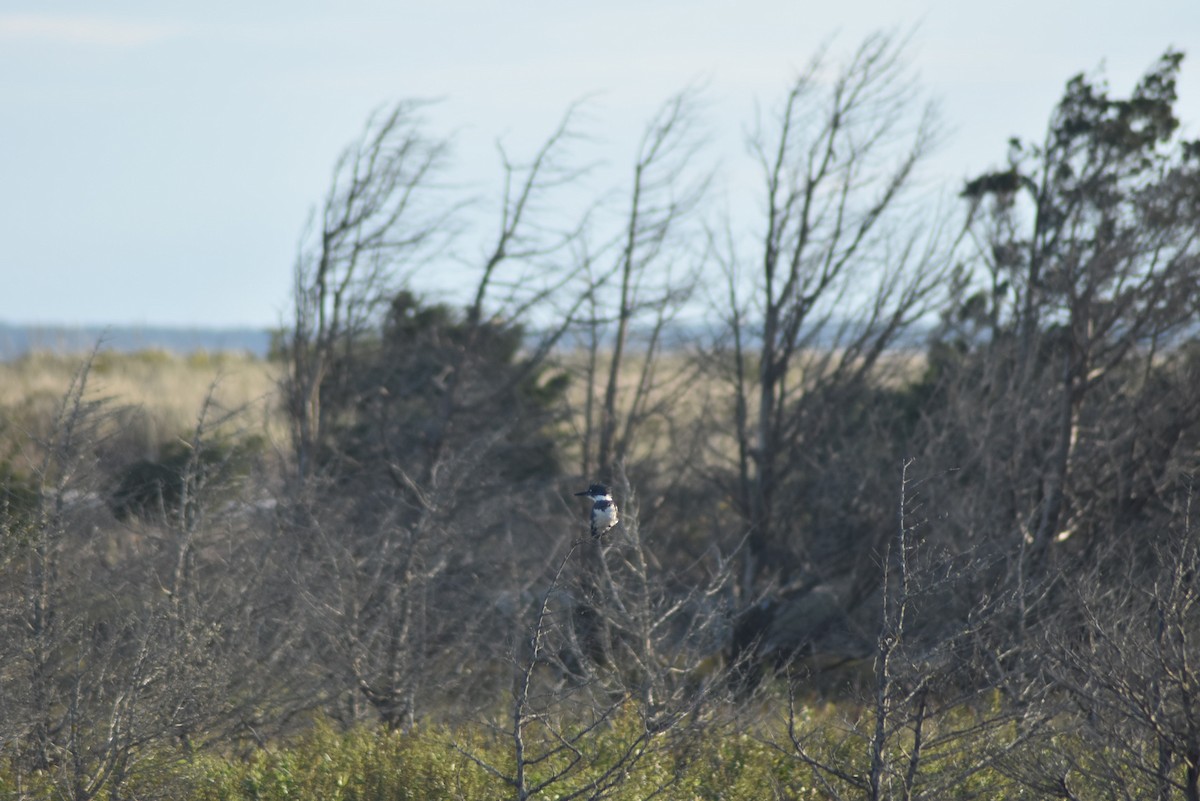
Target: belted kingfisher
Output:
[{"x": 604, "y": 511}]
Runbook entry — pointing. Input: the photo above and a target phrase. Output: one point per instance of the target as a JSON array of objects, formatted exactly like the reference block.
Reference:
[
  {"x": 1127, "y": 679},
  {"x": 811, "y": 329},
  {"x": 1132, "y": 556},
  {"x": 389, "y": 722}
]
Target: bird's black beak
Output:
[{"x": 582, "y": 493}]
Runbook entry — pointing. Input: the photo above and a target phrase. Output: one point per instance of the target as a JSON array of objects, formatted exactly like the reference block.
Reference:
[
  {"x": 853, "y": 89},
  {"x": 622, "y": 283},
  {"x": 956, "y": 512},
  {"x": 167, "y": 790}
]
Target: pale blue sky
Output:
[{"x": 159, "y": 161}]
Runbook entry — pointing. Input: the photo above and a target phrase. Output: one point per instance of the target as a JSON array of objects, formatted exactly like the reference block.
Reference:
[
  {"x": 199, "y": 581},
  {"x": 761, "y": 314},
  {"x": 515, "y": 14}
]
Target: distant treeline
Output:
[{"x": 18, "y": 340}]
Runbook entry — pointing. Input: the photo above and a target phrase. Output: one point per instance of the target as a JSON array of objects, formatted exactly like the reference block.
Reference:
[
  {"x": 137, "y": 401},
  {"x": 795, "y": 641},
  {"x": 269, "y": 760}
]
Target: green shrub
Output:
[
  {"x": 358, "y": 765},
  {"x": 753, "y": 763},
  {"x": 151, "y": 487}
]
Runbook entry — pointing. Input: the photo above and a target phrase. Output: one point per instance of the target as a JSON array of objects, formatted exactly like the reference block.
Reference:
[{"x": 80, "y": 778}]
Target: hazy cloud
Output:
[{"x": 77, "y": 29}]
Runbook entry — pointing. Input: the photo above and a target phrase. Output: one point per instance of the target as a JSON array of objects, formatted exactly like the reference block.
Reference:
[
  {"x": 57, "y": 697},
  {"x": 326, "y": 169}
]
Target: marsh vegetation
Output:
[{"x": 853, "y": 562}]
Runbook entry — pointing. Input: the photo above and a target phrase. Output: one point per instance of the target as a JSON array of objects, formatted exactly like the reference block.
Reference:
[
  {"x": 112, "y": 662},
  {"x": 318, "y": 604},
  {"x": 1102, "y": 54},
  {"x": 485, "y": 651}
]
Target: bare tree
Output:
[
  {"x": 119, "y": 648},
  {"x": 424, "y": 412},
  {"x": 376, "y": 216},
  {"x": 844, "y": 265},
  {"x": 1130, "y": 668},
  {"x": 632, "y": 303},
  {"x": 929, "y": 726},
  {"x": 650, "y": 685}
]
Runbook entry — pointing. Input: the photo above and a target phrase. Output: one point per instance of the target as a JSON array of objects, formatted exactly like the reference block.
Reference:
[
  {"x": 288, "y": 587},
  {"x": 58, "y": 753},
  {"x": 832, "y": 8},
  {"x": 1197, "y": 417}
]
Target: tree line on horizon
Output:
[{"x": 986, "y": 549}]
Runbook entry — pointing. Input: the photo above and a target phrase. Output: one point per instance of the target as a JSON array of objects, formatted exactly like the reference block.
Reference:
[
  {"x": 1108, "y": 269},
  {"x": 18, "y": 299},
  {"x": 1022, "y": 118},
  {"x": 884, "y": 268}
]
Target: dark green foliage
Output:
[
  {"x": 435, "y": 387},
  {"x": 427, "y": 418},
  {"x": 1000, "y": 183},
  {"x": 152, "y": 488},
  {"x": 1110, "y": 186},
  {"x": 1051, "y": 359}
]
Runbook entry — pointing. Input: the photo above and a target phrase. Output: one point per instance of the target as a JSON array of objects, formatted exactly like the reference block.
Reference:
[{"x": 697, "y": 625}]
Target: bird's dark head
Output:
[{"x": 596, "y": 491}]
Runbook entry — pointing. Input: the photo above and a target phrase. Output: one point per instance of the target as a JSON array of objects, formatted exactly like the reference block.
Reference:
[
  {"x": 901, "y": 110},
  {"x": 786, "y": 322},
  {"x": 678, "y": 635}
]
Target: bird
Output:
[{"x": 604, "y": 511}]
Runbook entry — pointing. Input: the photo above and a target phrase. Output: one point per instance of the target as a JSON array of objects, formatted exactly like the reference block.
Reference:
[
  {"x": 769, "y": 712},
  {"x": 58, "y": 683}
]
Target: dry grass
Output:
[
  {"x": 155, "y": 395},
  {"x": 682, "y": 392},
  {"x": 675, "y": 398}
]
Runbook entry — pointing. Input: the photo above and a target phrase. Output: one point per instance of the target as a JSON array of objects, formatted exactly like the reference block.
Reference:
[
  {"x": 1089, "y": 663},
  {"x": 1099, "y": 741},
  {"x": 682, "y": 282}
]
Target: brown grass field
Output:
[{"x": 154, "y": 395}]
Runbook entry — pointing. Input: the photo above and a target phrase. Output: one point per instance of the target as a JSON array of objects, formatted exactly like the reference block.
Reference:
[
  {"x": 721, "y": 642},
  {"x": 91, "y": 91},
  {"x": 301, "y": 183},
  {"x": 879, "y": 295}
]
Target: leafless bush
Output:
[
  {"x": 116, "y": 636},
  {"x": 644, "y": 671}
]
